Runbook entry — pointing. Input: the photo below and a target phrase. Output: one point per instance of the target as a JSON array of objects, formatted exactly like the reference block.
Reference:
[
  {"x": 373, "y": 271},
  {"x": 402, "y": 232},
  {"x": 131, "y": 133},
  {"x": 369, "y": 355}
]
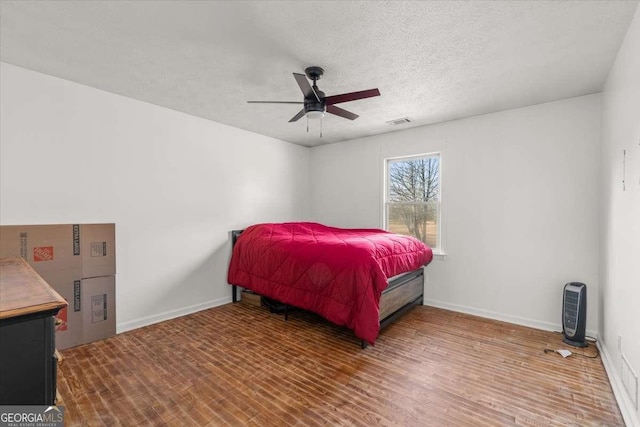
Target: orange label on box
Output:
[
  {"x": 61, "y": 320},
  {"x": 43, "y": 253}
]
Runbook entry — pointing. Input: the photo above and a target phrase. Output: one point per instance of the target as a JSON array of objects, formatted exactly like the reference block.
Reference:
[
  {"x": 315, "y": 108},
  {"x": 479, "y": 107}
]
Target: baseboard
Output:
[
  {"x": 516, "y": 320},
  {"x": 625, "y": 404},
  {"x": 168, "y": 315}
]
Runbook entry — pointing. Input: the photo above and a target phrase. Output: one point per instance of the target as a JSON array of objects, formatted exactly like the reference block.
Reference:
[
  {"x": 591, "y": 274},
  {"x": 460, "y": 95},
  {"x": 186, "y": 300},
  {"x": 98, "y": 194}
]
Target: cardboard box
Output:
[
  {"x": 47, "y": 248},
  {"x": 65, "y": 255},
  {"x": 99, "y": 308},
  {"x": 69, "y": 323},
  {"x": 86, "y": 249},
  {"x": 91, "y": 313}
]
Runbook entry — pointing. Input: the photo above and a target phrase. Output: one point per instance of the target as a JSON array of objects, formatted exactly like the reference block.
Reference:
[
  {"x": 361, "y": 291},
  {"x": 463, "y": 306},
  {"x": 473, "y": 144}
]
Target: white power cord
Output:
[
  {"x": 567, "y": 353},
  {"x": 563, "y": 353}
]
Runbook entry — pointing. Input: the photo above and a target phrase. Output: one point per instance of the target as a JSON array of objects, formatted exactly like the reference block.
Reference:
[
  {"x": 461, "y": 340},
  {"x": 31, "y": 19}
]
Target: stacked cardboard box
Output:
[{"x": 78, "y": 261}]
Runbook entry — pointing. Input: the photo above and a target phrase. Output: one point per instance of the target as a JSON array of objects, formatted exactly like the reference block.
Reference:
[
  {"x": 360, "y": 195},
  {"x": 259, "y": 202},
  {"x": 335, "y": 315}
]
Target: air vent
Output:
[{"x": 397, "y": 122}]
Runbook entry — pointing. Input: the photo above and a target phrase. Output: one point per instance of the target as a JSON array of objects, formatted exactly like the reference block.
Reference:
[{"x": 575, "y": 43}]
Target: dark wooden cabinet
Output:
[{"x": 27, "y": 335}]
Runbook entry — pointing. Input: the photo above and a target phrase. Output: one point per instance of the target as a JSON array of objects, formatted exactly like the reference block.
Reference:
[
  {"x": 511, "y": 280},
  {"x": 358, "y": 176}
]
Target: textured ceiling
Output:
[{"x": 432, "y": 61}]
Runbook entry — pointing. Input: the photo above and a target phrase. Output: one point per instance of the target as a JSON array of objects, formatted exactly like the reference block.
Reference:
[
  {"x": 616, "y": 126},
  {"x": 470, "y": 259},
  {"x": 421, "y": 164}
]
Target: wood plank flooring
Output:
[{"x": 241, "y": 365}]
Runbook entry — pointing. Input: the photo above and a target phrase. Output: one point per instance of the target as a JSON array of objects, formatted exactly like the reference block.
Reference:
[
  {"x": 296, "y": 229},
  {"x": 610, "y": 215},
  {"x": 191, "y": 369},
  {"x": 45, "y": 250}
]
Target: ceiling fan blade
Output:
[
  {"x": 274, "y": 102},
  {"x": 342, "y": 113},
  {"x": 305, "y": 87},
  {"x": 351, "y": 96},
  {"x": 297, "y": 116}
]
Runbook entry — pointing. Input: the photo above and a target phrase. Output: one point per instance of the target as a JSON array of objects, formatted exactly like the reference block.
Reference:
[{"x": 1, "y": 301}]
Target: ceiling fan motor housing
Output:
[{"x": 312, "y": 104}]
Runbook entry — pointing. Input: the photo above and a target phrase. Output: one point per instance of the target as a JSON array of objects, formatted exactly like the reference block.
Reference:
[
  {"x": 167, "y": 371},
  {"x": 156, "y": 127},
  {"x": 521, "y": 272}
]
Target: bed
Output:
[{"x": 359, "y": 278}]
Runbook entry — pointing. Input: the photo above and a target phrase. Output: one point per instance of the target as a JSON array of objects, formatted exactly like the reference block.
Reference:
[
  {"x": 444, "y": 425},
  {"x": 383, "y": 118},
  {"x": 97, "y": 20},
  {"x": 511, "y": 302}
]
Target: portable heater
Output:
[{"x": 574, "y": 313}]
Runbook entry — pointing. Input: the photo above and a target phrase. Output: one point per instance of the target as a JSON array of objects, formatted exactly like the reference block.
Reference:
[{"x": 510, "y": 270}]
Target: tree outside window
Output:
[{"x": 413, "y": 198}]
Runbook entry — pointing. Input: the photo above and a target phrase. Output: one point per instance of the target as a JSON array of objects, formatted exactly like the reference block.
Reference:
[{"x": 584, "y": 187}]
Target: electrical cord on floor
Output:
[{"x": 591, "y": 342}]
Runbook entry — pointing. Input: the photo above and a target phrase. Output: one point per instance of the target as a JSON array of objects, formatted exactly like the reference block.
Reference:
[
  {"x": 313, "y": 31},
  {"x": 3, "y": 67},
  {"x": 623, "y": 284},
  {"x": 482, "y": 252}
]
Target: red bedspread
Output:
[{"x": 337, "y": 273}]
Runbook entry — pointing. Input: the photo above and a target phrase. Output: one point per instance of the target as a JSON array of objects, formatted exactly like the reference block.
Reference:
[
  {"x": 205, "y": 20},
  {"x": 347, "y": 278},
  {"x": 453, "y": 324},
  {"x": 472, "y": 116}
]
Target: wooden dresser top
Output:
[{"x": 23, "y": 291}]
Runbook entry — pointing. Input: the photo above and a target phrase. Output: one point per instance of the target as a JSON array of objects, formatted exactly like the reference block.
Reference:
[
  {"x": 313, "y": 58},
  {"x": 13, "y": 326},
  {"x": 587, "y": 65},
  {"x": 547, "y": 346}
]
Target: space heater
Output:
[{"x": 574, "y": 314}]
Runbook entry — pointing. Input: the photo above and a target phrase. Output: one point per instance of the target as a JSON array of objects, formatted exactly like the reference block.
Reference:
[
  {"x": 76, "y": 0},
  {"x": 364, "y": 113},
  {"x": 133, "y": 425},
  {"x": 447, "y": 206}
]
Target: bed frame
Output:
[{"x": 402, "y": 294}]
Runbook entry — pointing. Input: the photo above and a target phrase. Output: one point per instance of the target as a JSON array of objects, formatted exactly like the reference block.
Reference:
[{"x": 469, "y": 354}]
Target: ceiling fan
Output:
[{"x": 315, "y": 102}]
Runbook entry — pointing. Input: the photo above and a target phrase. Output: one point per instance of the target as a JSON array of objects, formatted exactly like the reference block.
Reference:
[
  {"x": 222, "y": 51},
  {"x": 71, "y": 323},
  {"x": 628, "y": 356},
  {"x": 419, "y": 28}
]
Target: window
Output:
[{"x": 412, "y": 198}]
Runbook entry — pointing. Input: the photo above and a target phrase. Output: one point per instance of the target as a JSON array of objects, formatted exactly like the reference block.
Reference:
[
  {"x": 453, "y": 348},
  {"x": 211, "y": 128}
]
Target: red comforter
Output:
[{"x": 337, "y": 273}]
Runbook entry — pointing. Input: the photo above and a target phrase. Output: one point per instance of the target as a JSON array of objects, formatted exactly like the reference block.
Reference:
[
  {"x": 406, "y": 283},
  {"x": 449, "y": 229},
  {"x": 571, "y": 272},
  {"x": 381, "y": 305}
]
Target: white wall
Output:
[
  {"x": 174, "y": 184},
  {"x": 620, "y": 256},
  {"x": 519, "y": 205}
]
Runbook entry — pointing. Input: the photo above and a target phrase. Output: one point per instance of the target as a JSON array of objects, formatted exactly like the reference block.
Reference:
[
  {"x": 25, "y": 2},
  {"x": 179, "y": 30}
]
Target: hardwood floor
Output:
[{"x": 241, "y": 365}]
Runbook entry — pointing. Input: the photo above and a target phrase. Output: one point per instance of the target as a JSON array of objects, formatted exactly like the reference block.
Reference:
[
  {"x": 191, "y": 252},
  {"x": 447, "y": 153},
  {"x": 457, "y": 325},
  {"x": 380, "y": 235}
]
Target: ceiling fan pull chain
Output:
[
  {"x": 321, "y": 127},
  {"x": 307, "y": 124}
]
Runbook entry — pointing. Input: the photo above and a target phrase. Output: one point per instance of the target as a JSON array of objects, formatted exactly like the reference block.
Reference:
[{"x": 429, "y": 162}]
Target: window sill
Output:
[{"x": 440, "y": 256}]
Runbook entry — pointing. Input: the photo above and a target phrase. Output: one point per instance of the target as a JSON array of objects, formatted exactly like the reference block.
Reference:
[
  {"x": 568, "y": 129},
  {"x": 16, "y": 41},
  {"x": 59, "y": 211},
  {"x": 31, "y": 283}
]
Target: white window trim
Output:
[{"x": 438, "y": 253}]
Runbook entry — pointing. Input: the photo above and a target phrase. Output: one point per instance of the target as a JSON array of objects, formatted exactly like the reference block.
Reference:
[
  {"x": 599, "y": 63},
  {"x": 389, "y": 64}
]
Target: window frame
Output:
[{"x": 385, "y": 194}]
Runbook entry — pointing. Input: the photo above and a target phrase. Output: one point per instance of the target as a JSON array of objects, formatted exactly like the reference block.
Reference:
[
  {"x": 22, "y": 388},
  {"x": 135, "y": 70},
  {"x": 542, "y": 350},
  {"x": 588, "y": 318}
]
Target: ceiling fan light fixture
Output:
[{"x": 315, "y": 115}]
